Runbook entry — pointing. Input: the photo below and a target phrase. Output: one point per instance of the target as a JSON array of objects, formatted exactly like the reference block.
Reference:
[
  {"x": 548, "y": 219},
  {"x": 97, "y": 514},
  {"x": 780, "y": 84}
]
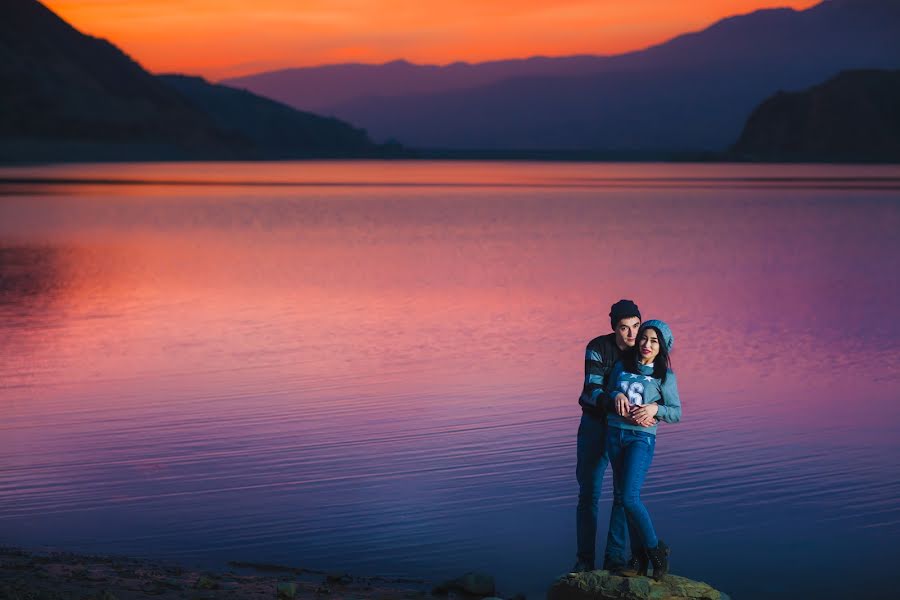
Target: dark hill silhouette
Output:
[
  {"x": 275, "y": 130},
  {"x": 853, "y": 116},
  {"x": 67, "y": 95},
  {"x": 693, "y": 92},
  {"x": 60, "y": 85}
]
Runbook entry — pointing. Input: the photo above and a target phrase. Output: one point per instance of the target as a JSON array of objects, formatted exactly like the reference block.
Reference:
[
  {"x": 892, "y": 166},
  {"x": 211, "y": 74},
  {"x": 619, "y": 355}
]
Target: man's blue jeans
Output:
[
  {"x": 592, "y": 461},
  {"x": 630, "y": 453}
]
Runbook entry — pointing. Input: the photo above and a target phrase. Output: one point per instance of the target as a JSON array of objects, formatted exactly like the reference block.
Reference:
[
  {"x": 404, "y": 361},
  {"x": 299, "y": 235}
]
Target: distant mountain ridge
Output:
[
  {"x": 67, "y": 95},
  {"x": 693, "y": 92},
  {"x": 320, "y": 87}
]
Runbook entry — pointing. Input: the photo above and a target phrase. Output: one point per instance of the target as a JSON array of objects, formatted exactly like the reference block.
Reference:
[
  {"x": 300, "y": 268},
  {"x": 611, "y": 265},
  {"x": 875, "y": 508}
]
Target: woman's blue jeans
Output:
[
  {"x": 630, "y": 453},
  {"x": 592, "y": 463}
]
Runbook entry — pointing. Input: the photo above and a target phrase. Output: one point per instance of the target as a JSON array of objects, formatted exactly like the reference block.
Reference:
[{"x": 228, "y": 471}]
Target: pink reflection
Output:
[
  {"x": 295, "y": 297},
  {"x": 451, "y": 173}
]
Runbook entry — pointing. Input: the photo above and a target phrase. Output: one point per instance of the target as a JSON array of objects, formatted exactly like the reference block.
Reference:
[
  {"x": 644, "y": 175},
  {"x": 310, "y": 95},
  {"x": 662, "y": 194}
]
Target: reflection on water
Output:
[{"x": 375, "y": 366}]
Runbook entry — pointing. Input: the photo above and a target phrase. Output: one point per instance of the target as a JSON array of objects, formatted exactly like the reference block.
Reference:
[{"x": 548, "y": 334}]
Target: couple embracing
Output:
[{"x": 629, "y": 387}]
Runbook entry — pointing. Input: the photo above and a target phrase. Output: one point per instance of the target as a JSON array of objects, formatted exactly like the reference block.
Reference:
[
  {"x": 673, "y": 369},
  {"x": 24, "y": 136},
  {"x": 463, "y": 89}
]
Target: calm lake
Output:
[{"x": 374, "y": 366}]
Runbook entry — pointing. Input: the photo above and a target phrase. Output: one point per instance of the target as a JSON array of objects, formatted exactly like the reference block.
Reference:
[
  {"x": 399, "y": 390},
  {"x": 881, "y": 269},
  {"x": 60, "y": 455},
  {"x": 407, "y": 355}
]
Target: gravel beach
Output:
[{"x": 50, "y": 575}]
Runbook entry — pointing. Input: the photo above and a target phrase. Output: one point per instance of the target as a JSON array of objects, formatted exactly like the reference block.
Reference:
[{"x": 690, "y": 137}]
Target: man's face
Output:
[{"x": 626, "y": 331}]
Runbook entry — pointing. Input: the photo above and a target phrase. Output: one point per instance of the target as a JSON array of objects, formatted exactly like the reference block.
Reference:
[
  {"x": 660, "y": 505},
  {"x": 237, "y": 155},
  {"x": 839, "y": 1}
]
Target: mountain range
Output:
[
  {"x": 691, "y": 93},
  {"x": 70, "y": 96}
]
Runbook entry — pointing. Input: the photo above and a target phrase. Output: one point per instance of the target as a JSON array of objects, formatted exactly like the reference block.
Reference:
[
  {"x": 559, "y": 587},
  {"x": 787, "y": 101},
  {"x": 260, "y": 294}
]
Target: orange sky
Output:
[{"x": 222, "y": 38}]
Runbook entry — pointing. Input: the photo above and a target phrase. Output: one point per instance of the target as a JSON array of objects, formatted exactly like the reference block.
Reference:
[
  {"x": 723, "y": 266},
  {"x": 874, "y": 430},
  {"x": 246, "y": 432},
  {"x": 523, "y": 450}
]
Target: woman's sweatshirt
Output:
[{"x": 643, "y": 388}]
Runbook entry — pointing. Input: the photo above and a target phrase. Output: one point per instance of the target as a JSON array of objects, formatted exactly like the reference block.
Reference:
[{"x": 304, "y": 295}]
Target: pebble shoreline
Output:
[{"x": 37, "y": 575}]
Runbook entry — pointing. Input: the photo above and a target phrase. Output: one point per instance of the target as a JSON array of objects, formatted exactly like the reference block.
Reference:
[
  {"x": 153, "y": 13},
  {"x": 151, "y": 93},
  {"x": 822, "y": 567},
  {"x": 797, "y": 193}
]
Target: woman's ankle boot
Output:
[
  {"x": 637, "y": 564},
  {"x": 659, "y": 556}
]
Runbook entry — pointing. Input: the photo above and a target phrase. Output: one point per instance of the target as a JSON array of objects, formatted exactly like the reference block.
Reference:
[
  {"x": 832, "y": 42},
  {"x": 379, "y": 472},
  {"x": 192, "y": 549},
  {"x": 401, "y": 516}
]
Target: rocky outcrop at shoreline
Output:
[{"x": 603, "y": 585}]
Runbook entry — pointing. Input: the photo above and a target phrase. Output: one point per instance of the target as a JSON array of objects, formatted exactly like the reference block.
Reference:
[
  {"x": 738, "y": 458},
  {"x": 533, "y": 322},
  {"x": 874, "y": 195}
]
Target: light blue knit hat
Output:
[{"x": 663, "y": 329}]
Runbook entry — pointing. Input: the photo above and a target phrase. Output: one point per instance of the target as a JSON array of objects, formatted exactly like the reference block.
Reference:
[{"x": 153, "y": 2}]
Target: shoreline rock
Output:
[
  {"x": 603, "y": 585},
  {"x": 473, "y": 583}
]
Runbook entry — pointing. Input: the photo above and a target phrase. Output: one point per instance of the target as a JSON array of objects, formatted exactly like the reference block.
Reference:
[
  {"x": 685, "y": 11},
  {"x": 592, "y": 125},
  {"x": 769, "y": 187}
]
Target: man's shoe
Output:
[
  {"x": 612, "y": 566},
  {"x": 581, "y": 566},
  {"x": 636, "y": 565}
]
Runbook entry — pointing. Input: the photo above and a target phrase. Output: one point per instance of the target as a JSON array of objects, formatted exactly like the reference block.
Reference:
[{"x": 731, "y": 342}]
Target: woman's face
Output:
[{"x": 648, "y": 346}]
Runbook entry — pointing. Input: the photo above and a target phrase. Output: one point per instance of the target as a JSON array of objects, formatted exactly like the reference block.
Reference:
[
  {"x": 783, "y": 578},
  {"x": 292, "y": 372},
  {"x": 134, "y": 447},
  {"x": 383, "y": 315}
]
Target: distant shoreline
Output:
[
  {"x": 79, "y": 152},
  {"x": 114, "y": 156}
]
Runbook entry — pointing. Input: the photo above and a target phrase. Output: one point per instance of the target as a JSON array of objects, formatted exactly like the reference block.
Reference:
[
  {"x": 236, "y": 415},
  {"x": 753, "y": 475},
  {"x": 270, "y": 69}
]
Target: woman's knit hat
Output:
[{"x": 663, "y": 329}]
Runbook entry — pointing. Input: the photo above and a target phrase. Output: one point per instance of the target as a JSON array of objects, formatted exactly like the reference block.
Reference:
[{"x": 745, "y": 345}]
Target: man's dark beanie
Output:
[{"x": 623, "y": 309}]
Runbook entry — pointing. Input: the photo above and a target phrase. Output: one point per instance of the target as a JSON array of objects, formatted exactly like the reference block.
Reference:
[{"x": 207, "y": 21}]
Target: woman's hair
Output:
[{"x": 661, "y": 364}]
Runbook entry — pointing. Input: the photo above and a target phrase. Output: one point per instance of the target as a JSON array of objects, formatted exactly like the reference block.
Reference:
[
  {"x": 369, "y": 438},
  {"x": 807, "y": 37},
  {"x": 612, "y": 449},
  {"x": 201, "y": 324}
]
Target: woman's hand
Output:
[
  {"x": 648, "y": 422},
  {"x": 644, "y": 413},
  {"x": 621, "y": 402}
]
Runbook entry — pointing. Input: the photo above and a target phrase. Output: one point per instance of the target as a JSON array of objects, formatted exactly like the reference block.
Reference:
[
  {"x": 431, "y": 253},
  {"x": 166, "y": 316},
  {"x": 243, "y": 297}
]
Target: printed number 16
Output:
[{"x": 634, "y": 391}]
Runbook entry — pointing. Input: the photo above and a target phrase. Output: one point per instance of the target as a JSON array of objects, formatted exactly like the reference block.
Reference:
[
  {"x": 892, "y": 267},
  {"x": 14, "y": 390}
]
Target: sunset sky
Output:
[{"x": 223, "y": 38}]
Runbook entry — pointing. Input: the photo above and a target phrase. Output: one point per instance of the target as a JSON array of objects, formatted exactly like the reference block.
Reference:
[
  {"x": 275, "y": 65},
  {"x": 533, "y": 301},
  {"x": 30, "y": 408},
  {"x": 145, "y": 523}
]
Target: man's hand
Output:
[
  {"x": 621, "y": 401},
  {"x": 643, "y": 415}
]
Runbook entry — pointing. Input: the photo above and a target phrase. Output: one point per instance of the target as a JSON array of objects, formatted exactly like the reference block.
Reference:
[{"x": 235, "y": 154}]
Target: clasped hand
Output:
[{"x": 642, "y": 415}]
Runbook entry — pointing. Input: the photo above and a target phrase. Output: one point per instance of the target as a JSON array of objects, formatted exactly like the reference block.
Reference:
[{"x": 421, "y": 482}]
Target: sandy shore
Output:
[{"x": 37, "y": 575}]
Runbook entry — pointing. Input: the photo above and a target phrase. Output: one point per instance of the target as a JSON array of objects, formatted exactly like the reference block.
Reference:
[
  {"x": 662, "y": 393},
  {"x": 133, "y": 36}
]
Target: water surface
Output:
[{"x": 374, "y": 366}]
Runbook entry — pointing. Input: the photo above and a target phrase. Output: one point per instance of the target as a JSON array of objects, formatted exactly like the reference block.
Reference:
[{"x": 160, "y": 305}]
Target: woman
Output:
[{"x": 642, "y": 391}]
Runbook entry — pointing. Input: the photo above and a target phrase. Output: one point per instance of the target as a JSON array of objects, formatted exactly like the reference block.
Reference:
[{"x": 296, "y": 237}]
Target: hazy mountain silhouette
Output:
[
  {"x": 68, "y": 95},
  {"x": 853, "y": 116},
  {"x": 322, "y": 87},
  {"x": 693, "y": 92}
]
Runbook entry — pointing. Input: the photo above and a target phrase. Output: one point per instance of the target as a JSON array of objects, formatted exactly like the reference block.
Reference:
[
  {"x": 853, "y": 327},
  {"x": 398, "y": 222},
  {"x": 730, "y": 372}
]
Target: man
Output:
[{"x": 601, "y": 354}]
